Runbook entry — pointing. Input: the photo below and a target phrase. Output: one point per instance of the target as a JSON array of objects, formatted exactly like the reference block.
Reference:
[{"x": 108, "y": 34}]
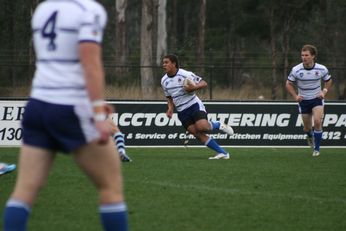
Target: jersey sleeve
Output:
[
  {"x": 194, "y": 77},
  {"x": 163, "y": 83},
  {"x": 326, "y": 76},
  {"x": 291, "y": 77},
  {"x": 93, "y": 22}
]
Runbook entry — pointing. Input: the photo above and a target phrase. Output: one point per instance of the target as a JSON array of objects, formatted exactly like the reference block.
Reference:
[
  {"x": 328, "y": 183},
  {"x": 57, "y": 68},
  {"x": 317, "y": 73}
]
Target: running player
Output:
[{"x": 179, "y": 86}]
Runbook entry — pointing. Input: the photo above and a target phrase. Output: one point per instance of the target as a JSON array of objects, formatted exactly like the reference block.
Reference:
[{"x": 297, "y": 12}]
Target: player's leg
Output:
[
  {"x": 307, "y": 123},
  {"x": 103, "y": 168},
  {"x": 33, "y": 169},
  {"x": 200, "y": 127},
  {"x": 318, "y": 113},
  {"x": 119, "y": 140},
  {"x": 217, "y": 125}
]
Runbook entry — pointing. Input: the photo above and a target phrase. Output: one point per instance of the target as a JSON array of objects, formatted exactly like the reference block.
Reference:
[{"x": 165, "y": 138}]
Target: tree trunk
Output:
[
  {"x": 201, "y": 36},
  {"x": 172, "y": 21},
  {"x": 31, "y": 60},
  {"x": 285, "y": 50},
  {"x": 232, "y": 48},
  {"x": 121, "y": 52},
  {"x": 273, "y": 53},
  {"x": 147, "y": 78},
  {"x": 161, "y": 48}
]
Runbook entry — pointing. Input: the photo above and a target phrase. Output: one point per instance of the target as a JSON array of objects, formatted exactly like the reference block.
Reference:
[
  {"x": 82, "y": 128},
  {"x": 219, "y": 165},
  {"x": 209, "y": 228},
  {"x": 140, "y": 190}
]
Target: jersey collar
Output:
[
  {"x": 313, "y": 66},
  {"x": 171, "y": 76}
]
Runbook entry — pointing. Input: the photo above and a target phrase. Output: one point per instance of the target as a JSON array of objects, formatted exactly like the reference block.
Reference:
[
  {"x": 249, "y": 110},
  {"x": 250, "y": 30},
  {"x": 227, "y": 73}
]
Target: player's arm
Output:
[
  {"x": 90, "y": 58},
  {"x": 202, "y": 84},
  {"x": 170, "y": 106},
  {"x": 192, "y": 86},
  {"x": 326, "y": 87},
  {"x": 292, "y": 91}
]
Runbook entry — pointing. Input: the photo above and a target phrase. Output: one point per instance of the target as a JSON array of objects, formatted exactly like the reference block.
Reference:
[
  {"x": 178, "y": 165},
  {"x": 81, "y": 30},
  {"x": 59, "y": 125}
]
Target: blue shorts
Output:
[
  {"x": 306, "y": 106},
  {"x": 57, "y": 127},
  {"x": 191, "y": 115}
]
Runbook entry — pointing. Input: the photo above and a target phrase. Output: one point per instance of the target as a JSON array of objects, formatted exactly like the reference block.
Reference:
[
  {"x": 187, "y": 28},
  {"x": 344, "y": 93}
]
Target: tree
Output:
[
  {"x": 295, "y": 11},
  {"x": 201, "y": 35},
  {"x": 233, "y": 46},
  {"x": 147, "y": 78},
  {"x": 161, "y": 47},
  {"x": 271, "y": 12},
  {"x": 120, "y": 38}
]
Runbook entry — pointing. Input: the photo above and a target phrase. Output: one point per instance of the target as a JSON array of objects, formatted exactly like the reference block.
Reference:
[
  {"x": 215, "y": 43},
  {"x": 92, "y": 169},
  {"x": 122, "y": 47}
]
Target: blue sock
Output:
[
  {"x": 317, "y": 138},
  {"x": 215, "y": 125},
  {"x": 120, "y": 142},
  {"x": 211, "y": 143},
  {"x": 16, "y": 215},
  {"x": 114, "y": 216}
]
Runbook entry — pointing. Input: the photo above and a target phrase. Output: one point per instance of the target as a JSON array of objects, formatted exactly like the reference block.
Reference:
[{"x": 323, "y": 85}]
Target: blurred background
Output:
[{"x": 244, "y": 49}]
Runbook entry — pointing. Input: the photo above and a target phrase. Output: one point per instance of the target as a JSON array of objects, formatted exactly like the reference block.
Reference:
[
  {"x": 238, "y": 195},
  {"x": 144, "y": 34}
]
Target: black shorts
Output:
[
  {"x": 306, "y": 106},
  {"x": 191, "y": 115},
  {"x": 57, "y": 127}
]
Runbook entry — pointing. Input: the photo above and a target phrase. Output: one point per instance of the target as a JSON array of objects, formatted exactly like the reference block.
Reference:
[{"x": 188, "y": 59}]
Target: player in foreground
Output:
[
  {"x": 66, "y": 112},
  {"x": 307, "y": 77},
  {"x": 179, "y": 86}
]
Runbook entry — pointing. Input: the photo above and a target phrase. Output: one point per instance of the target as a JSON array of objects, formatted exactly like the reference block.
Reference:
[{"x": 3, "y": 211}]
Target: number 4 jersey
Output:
[{"x": 58, "y": 28}]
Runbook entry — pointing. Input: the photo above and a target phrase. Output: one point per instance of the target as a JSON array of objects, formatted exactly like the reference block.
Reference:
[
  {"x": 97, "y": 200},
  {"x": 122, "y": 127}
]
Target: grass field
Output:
[{"x": 178, "y": 189}]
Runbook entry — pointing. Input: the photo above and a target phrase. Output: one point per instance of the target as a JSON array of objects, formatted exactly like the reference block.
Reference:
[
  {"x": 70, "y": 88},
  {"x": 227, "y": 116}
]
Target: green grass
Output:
[{"x": 179, "y": 189}]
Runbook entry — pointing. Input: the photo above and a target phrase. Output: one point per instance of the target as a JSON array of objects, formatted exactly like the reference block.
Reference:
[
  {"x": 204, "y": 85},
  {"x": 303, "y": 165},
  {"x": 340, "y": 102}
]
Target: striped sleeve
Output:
[
  {"x": 326, "y": 76},
  {"x": 93, "y": 22},
  {"x": 291, "y": 77}
]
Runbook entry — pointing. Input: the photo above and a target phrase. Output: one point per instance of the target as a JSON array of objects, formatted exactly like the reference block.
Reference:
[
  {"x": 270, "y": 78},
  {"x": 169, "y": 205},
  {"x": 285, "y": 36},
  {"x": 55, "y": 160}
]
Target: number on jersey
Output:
[{"x": 48, "y": 31}]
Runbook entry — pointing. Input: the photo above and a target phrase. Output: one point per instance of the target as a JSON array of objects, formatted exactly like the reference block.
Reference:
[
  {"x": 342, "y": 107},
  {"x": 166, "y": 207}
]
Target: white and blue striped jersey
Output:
[
  {"x": 58, "y": 28},
  {"x": 173, "y": 87},
  {"x": 308, "y": 81}
]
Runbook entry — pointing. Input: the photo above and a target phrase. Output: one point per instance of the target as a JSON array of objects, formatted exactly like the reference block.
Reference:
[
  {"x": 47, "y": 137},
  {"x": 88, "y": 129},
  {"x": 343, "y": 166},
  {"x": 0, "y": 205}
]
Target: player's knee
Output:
[
  {"x": 202, "y": 128},
  {"x": 108, "y": 195},
  {"x": 318, "y": 126}
]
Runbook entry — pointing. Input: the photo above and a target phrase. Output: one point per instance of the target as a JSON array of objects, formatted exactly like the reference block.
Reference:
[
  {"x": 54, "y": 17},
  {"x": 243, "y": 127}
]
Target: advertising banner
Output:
[
  {"x": 11, "y": 113},
  {"x": 256, "y": 124}
]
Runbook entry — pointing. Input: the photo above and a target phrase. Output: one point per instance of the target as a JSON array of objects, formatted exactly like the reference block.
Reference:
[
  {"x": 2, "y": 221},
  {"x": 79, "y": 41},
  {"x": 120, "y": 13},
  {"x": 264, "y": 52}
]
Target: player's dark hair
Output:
[
  {"x": 173, "y": 58},
  {"x": 312, "y": 49}
]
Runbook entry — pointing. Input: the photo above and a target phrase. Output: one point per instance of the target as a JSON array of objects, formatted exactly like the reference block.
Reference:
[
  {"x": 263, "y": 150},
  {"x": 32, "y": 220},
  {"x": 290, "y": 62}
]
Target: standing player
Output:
[
  {"x": 307, "y": 77},
  {"x": 179, "y": 86},
  {"x": 66, "y": 111}
]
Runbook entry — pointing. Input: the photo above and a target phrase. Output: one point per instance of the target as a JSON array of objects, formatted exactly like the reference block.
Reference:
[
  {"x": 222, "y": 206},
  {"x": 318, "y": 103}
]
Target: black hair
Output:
[{"x": 173, "y": 58}]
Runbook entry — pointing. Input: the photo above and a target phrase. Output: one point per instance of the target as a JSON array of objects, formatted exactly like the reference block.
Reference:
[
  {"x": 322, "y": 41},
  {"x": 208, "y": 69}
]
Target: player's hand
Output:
[
  {"x": 109, "y": 109},
  {"x": 190, "y": 87},
  {"x": 299, "y": 98},
  {"x": 104, "y": 127},
  {"x": 105, "y": 130},
  {"x": 114, "y": 127},
  {"x": 169, "y": 113},
  {"x": 322, "y": 94}
]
